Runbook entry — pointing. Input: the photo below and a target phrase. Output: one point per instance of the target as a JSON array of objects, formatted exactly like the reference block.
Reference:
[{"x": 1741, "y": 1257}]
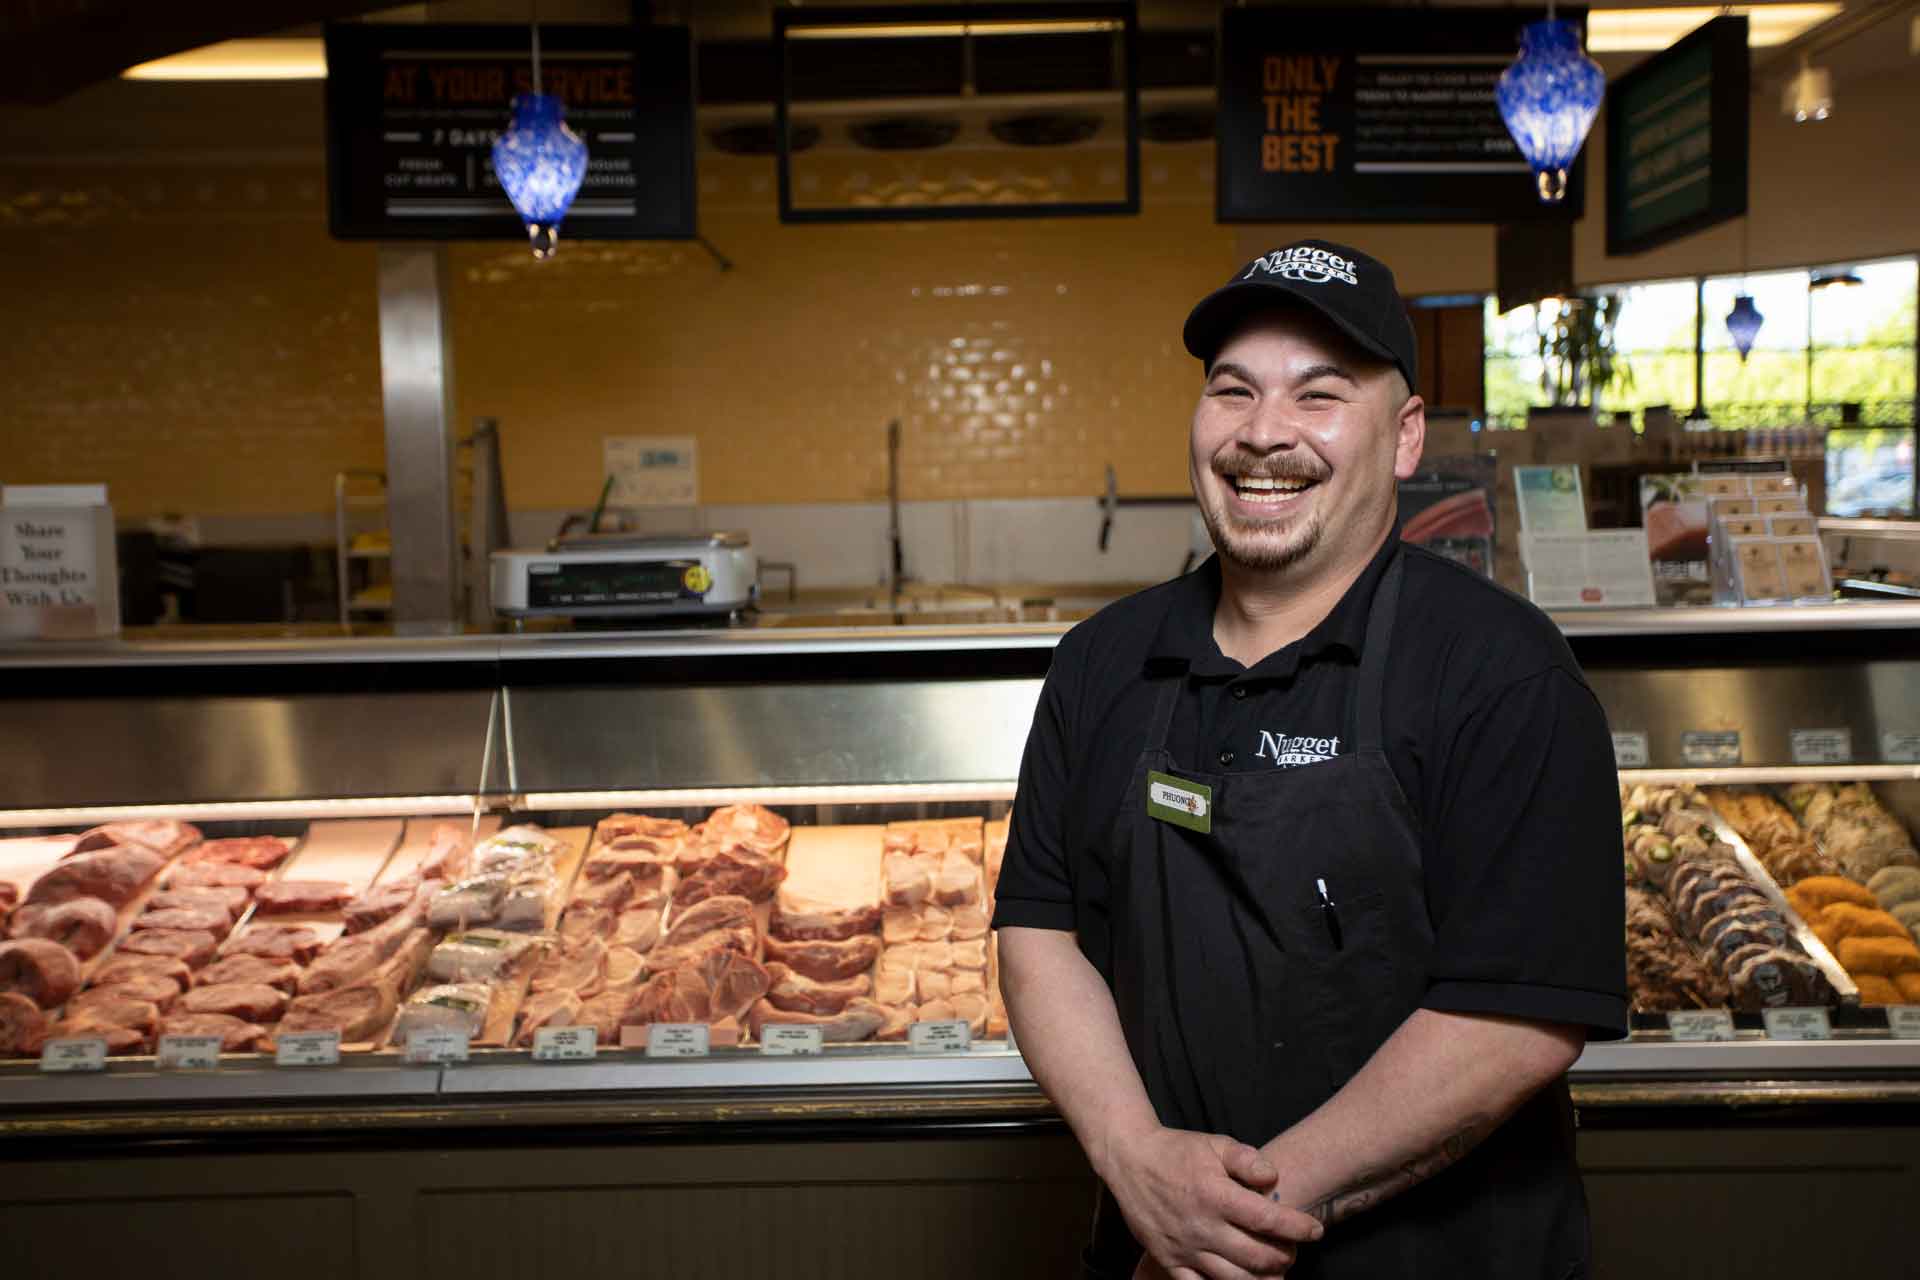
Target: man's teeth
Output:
[{"x": 1263, "y": 485}]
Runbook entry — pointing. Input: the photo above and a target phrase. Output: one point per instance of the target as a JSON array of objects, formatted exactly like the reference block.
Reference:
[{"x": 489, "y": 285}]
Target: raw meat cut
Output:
[
  {"x": 971, "y": 1008},
  {"x": 894, "y": 984},
  {"x": 235, "y": 1035},
  {"x": 717, "y": 924},
  {"x": 572, "y": 969},
  {"x": 724, "y": 984},
  {"x": 969, "y": 923},
  {"x": 908, "y": 879},
  {"x": 579, "y": 924},
  {"x": 970, "y": 955},
  {"x": 623, "y": 968},
  {"x": 934, "y": 984},
  {"x": 638, "y": 828},
  {"x": 364, "y": 1010},
  {"x": 9, "y": 896},
  {"x": 248, "y": 1001},
  {"x": 253, "y": 969},
  {"x": 215, "y": 874},
  {"x": 356, "y": 956},
  {"x": 455, "y": 1007},
  {"x": 83, "y": 926},
  {"x": 260, "y": 852},
  {"x": 115, "y": 1011},
  {"x": 713, "y": 913},
  {"x": 638, "y": 858},
  {"x": 638, "y": 928},
  {"x": 732, "y": 872},
  {"x": 162, "y": 835},
  {"x": 610, "y": 894},
  {"x": 120, "y": 1040},
  {"x": 379, "y": 903},
  {"x": 449, "y": 850},
  {"x": 22, "y": 1026},
  {"x": 900, "y": 1020},
  {"x": 751, "y": 825},
  {"x": 229, "y": 898},
  {"x": 956, "y": 881},
  {"x": 968, "y": 982},
  {"x": 794, "y": 923},
  {"x": 194, "y": 946},
  {"x": 797, "y": 993},
  {"x": 114, "y": 875},
  {"x": 823, "y": 961},
  {"x": 152, "y": 988},
  {"x": 555, "y": 1008},
  {"x": 276, "y": 942},
  {"x": 285, "y": 897},
  {"x": 603, "y": 1013},
  {"x": 857, "y": 1021},
  {"x": 481, "y": 955},
  {"x": 901, "y": 924},
  {"x": 213, "y": 920},
  {"x": 126, "y": 968}
]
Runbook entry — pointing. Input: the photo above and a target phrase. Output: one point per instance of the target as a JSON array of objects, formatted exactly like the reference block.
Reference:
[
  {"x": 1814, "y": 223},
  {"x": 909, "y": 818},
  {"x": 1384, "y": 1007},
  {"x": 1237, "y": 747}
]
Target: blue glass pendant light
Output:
[
  {"x": 1549, "y": 97},
  {"x": 1743, "y": 325},
  {"x": 540, "y": 162}
]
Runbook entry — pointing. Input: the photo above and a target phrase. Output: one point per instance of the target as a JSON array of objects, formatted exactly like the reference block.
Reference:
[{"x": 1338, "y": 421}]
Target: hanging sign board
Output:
[
  {"x": 1677, "y": 139},
  {"x": 413, "y": 112},
  {"x": 1374, "y": 115}
]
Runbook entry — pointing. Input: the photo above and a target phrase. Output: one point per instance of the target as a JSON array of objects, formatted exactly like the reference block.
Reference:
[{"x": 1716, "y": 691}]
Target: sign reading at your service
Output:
[
  {"x": 1374, "y": 115},
  {"x": 1677, "y": 139},
  {"x": 413, "y": 112}
]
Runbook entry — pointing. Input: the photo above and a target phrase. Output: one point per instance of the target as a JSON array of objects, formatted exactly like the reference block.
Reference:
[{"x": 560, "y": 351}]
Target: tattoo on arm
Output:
[{"x": 1375, "y": 1186}]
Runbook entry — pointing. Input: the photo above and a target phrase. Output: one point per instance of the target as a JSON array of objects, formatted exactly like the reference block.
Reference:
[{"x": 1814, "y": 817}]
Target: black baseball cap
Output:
[{"x": 1353, "y": 291}]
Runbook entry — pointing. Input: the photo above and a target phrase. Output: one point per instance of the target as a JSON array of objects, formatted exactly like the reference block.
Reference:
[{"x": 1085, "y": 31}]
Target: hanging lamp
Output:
[
  {"x": 1744, "y": 321},
  {"x": 539, "y": 161},
  {"x": 1548, "y": 98}
]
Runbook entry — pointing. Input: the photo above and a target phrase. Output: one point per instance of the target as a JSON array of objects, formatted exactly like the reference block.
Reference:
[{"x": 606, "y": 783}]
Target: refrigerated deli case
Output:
[{"x": 928, "y": 1152}]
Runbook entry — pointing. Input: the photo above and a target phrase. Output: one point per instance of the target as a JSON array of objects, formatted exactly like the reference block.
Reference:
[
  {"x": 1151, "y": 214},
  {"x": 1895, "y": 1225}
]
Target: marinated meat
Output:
[
  {"x": 286, "y": 897},
  {"x": 213, "y": 920},
  {"x": 823, "y": 961},
  {"x": 956, "y": 881},
  {"x": 908, "y": 879},
  {"x": 248, "y": 1001},
  {"x": 115, "y": 1011},
  {"x": 858, "y": 1020},
  {"x": 196, "y": 875},
  {"x": 130, "y": 968},
  {"x": 256, "y": 970},
  {"x": 262, "y": 853},
  {"x": 797, "y": 993},
  {"x": 752, "y": 826},
  {"x": 84, "y": 926},
  {"x": 120, "y": 1040},
  {"x": 737, "y": 872},
  {"x": 23, "y": 1027},
  {"x": 559, "y": 1007},
  {"x": 454, "y": 1006},
  {"x": 573, "y": 968},
  {"x": 162, "y": 835},
  {"x": 235, "y": 1035},
  {"x": 114, "y": 875},
  {"x": 638, "y": 928},
  {"x": 193, "y": 946},
  {"x": 151, "y": 988},
  {"x": 276, "y": 942},
  {"x": 481, "y": 955},
  {"x": 229, "y": 898}
]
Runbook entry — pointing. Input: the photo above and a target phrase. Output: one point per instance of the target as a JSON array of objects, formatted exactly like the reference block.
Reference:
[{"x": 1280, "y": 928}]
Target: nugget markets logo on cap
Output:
[{"x": 1307, "y": 265}]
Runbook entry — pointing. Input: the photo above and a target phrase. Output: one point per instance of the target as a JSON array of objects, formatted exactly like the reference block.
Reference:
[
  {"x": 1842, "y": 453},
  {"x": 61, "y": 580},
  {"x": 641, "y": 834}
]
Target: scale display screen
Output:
[{"x": 577, "y": 584}]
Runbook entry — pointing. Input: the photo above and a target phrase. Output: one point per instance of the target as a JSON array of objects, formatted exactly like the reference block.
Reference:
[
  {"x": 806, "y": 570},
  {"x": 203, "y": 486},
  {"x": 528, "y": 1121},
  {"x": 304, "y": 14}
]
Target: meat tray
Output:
[{"x": 1763, "y": 880}]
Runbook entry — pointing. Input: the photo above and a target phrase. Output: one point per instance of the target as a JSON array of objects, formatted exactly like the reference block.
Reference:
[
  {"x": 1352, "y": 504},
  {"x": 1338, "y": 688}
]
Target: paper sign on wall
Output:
[
  {"x": 652, "y": 471},
  {"x": 58, "y": 575}
]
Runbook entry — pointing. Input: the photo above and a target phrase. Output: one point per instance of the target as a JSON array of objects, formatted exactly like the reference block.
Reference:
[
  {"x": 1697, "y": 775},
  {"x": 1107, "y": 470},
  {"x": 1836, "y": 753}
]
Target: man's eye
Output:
[{"x": 1232, "y": 391}]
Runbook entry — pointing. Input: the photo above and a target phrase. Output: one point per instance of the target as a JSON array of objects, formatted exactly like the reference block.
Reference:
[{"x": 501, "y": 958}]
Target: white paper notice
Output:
[
  {"x": 1822, "y": 746},
  {"x": 565, "y": 1044},
  {"x": 57, "y": 564},
  {"x": 1900, "y": 746},
  {"x": 1706, "y": 748},
  {"x": 74, "y": 1055},
  {"x": 1630, "y": 751},
  {"x": 1904, "y": 1021},
  {"x": 436, "y": 1045},
  {"x": 677, "y": 1040},
  {"x": 1797, "y": 1024},
  {"x": 188, "y": 1053},
  {"x": 306, "y": 1049},
  {"x": 1701, "y": 1024},
  {"x": 652, "y": 471},
  {"x": 951, "y": 1035},
  {"x": 1608, "y": 567},
  {"x": 789, "y": 1038}
]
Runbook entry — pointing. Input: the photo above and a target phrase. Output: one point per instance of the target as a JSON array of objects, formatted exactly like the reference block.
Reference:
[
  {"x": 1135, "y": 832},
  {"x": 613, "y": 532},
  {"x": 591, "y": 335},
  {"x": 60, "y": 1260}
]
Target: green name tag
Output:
[{"x": 1184, "y": 804}]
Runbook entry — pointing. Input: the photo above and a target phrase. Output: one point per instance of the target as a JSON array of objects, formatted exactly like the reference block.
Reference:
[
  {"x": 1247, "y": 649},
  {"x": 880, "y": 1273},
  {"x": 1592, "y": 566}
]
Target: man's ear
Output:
[{"x": 1411, "y": 438}]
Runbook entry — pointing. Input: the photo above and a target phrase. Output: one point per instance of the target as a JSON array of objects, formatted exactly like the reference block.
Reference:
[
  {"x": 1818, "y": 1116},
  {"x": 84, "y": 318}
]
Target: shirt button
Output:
[
  {"x": 1239, "y": 691},
  {"x": 1226, "y": 759}
]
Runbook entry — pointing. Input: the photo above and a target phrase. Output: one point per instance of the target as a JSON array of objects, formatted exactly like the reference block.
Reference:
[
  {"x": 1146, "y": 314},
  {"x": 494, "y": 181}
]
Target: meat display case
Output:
[{"x": 829, "y": 728}]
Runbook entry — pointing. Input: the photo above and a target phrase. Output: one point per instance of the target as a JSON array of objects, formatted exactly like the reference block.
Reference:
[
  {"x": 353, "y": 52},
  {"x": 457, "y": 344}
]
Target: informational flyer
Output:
[
  {"x": 1606, "y": 568},
  {"x": 652, "y": 471},
  {"x": 1550, "y": 499},
  {"x": 1673, "y": 512},
  {"x": 1447, "y": 507}
]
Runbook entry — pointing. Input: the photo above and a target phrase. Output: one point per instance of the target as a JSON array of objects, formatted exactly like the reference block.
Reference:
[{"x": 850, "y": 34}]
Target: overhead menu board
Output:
[
  {"x": 413, "y": 112},
  {"x": 1677, "y": 139},
  {"x": 1383, "y": 115}
]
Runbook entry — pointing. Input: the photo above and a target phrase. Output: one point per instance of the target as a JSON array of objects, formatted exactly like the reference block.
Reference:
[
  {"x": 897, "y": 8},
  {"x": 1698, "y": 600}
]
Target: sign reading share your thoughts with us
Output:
[{"x": 58, "y": 573}]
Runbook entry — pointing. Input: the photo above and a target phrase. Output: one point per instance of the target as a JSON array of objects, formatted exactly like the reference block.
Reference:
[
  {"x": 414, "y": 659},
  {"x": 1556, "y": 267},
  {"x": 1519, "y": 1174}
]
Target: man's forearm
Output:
[
  {"x": 1069, "y": 1032},
  {"x": 1436, "y": 1088}
]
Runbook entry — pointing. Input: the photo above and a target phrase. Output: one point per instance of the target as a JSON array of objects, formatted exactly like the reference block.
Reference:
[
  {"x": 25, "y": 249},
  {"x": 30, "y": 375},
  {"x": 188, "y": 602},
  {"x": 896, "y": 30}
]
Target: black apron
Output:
[{"x": 1247, "y": 1000}]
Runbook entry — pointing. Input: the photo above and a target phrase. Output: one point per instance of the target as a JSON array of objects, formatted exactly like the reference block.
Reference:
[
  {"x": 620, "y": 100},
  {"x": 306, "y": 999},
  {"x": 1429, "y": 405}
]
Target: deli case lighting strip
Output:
[
  {"x": 1753, "y": 775},
  {"x": 243, "y": 811},
  {"x": 713, "y": 797}
]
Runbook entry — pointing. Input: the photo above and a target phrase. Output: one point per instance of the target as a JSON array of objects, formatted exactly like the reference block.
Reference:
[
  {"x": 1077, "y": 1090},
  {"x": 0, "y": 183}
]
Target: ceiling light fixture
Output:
[
  {"x": 924, "y": 30},
  {"x": 1648, "y": 30},
  {"x": 1548, "y": 99},
  {"x": 1809, "y": 95},
  {"x": 539, "y": 161},
  {"x": 239, "y": 60}
]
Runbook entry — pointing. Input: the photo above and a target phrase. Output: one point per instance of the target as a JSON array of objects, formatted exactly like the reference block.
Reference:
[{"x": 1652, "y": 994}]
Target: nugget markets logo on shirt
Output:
[{"x": 1286, "y": 752}]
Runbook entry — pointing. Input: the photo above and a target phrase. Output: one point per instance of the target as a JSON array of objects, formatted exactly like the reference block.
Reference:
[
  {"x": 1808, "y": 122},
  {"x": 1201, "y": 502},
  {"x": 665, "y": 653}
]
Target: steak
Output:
[
  {"x": 581, "y": 924},
  {"x": 194, "y": 946},
  {"x": 637, "y": 830},
  {"x": 213, "y": 920},
  {"x": 723, "y": 985},
  {"x": 739, "y": 871},
  {"x": 364, "y": 1010},
  {"x": 638, "y": 928},
  {"x": 154, "y": 989},
  {"x": 259, "y": 852},
  {"x": 23, "y": 1028},
  {"x": 555, "y": 1008},
  {"x": 133, "y": 968},
  {"x": 114, "y": 875},
  {"x": 797, "y": 993},
  {"x": 623, "y": 968},
  {"x": 120, "y": 1040},
  {"x": 229, "y": 898},
  {"x": 285, "y": 897},
  {"x": 809, "y": 922},
  {"x": 825, "y": 961},
  {"x": 380, "y": 903},
  {"x": 254, "y": 970},
  {"x": 277, "y": 942},
  {"x": 608, "y": 894},
  {"x": 572, "y": 968},
  {"x": 247, "y": 1001},
  {"x": 83, "y": 926},
  {"x": 102, "y": 1005},
  {"x": 603, "y": 1013},
  {"x": 713, "y": 913},
  {"x": 217, "y": 875},
  {"x": 736, "y": 938},
  {"x": 857, "y": 1021},
  {"x": 44, "y": 972},
  {"x": 354, "y": 956},
  {"x": 753, "y": 826},
  {"x": 635, "y": 859},
  {"x": 162, "y": 835},
  {"x": 236, "y": 1036}
]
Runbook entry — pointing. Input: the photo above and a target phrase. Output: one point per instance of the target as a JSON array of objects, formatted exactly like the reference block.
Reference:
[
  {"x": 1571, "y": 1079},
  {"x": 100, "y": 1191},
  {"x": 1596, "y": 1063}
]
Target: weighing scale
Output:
[{"x": 628, "y": 575}]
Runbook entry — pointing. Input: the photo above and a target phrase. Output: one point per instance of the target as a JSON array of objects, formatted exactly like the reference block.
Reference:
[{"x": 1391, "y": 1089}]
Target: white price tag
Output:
[
  {"x": 790, "y": 1038},
  {"x": 189, "y": 1053},
  {"x": 1709, "y": 747},
  {"x": 951, "y": 1035},
  {"x": 1904, "y": 1021},
  {"x": 677, "y": 1040},
  {"x": 565, "y": 1044},
  {"x": 1630, "y": 751},
  {"x": 74, "y": 1055},
  {"x": 1701, "y": 1024},
  {"x": 1900, "y": 746},
  {"x": 436, "y": 1045},
  {"x": 1797, "y": 1024},
  {"x": 1822, "y": 746},
  {"x": 306, "y": 1049}
]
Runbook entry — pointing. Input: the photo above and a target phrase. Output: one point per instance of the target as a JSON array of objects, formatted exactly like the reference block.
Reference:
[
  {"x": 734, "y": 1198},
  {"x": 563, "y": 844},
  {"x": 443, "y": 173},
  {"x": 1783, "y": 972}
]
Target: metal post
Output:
[{"x": 415, "y": 377}]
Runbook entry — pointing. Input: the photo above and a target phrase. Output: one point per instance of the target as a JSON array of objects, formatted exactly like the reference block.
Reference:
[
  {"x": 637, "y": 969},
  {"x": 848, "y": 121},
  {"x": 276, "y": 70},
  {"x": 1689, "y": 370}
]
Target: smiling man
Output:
[{"x": 1311, "y": 895}]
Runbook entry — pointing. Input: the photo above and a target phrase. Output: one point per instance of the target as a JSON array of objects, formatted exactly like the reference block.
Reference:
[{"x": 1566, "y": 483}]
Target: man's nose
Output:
[{"x": 1271, "y": 426}]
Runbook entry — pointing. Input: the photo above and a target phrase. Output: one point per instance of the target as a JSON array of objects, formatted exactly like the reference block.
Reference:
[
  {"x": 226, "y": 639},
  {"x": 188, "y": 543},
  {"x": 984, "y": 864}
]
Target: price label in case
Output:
[
  {"x": 677, "y": 1040},
  {"x": 1797, "y": 1024},
  {"x": 949, "y": 1035},
  {"x": 1700, "y": 1024},
  {"x": 1900, "y": 746},
  {"x": 1630, "y": 751},
  {"x": 1708, "y": 747},
  {"x": 306, "y": 1049},
  {"x": 188, "y": 1053},
  {"x": 1822, "y": 746},
  {"x": 437, "y": 1045},
  {"x": 80, "y": 1054},
  {"x": 790, "y": 1038},
  {"x": 1904, "y": 1021},
  {"x": 565, "y": 1044}
]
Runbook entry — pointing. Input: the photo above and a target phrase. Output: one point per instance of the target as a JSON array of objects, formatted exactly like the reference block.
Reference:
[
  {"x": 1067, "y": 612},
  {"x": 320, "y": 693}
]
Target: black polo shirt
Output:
[{"x": 1497, "y": 742}]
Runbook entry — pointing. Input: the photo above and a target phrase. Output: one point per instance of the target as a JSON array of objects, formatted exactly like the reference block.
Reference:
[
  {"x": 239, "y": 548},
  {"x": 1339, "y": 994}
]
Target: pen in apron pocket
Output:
[{"x": 1333, "y": 916}]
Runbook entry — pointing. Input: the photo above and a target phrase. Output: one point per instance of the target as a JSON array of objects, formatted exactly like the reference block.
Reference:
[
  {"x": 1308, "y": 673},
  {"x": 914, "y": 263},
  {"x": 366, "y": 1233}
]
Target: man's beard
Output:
[{"x": 1252, "y": 546}]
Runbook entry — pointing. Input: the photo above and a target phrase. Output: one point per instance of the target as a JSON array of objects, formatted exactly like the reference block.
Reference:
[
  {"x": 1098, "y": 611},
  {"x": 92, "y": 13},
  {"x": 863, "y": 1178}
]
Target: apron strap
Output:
[{"x": 1369, "y": 706}]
